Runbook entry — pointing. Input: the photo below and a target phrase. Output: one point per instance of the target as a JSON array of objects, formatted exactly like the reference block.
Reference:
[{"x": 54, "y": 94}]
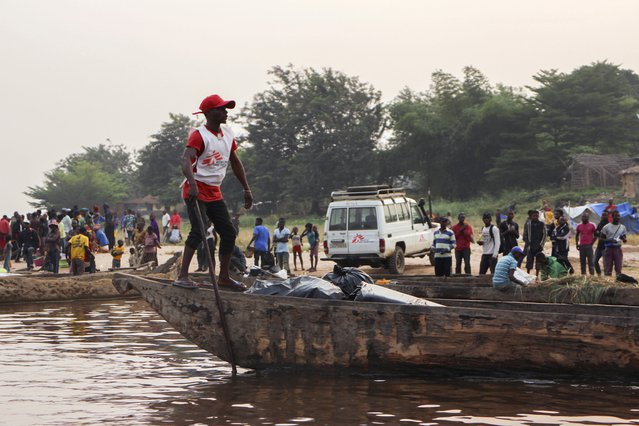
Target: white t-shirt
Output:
[
  {"x": 281, "y": 247},
  {"x": 165, "y": 220},
  {"x": 491, "y": 244},
  {"x": 613, "y": 234}
]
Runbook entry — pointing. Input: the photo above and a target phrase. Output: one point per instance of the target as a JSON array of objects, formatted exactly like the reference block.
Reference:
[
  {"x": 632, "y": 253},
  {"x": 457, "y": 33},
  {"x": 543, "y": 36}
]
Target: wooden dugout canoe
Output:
[
  {"x": 281, "y": 332},
  {"x": 49, "y": 287},
  {"x": 471, "y": 289}
]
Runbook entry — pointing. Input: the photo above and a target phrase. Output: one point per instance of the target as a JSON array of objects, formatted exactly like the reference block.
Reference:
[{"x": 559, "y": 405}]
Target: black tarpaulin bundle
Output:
[{"x": 348, "y": 279}]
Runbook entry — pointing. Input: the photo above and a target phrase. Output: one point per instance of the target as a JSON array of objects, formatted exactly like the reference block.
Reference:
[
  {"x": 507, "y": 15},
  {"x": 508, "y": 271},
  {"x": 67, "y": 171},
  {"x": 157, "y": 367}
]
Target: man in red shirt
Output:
[
  {"x": 5, "y": 230},
  {"x": 209, "y": 151},
  {"x": 611, "y": 207},
  {"x": 584, "y": 240},
  {"x": 175, "y": 222},
  {"x": 463, "y": 236}
]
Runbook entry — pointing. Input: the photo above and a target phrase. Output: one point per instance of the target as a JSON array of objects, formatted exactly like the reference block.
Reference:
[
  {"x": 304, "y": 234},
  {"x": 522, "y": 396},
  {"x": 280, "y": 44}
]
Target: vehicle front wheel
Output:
[{"x": 396, "y": 263}]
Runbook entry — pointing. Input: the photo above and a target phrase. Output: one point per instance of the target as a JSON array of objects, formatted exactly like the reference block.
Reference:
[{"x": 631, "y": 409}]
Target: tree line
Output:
[{"x": 314, "y": 131}]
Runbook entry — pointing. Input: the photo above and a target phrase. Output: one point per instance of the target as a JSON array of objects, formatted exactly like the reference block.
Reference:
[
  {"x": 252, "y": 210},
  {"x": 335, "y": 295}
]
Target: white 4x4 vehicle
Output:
[{"x": 376, "y": 226}]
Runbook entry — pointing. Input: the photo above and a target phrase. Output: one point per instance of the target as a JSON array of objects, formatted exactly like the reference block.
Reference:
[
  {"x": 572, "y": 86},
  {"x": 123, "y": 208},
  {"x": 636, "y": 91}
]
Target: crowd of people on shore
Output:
[
  {"x": 593, "y": 242},
  {"x": 76, "y": 234}
]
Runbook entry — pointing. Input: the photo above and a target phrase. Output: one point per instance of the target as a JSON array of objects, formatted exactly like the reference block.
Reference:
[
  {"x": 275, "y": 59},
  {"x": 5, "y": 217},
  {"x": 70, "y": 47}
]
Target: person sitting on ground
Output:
[
  {"x": 151, "y": 246},
  {"x": 549, "y": 267},
  {"x": 296, "y": 240},
  {"x": 117, "y": 253},
  {"x": 504, "y": 276}
]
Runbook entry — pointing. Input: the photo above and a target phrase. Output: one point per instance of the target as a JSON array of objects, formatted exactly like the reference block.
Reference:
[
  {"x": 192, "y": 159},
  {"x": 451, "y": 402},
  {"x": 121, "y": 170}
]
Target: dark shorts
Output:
[{"x": 218, "y": 214}]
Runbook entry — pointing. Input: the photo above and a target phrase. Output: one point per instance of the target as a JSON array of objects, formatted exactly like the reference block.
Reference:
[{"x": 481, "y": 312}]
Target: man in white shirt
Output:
[
  {"x": 280, "y": 238},
  {"x": 166, "y": 229},
  {"x": 490, "y": 242}
]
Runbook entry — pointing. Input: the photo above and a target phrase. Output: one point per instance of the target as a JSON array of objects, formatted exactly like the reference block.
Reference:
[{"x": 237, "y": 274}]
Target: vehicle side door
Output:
[
  {"x": 336, "y": 231},
  {"x": 423, "y": 235},
  {"x": 363, "y": 233}
]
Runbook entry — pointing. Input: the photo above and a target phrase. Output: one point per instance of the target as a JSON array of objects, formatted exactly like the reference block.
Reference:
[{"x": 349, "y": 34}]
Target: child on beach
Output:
[
  {"x": 297, "y": 248},
  {"x": 312, "y": 236},
  {"x": 117, "y": 253},
  {"x": 133, "y": 258},
  {"x": 7, "y": 254},
  {"x": 151, "y": 246}
]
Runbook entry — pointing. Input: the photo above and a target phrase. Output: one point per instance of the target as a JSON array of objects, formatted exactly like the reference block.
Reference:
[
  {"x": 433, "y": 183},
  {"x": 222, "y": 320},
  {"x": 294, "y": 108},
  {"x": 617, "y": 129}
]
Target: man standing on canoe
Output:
[{"x": 209, "y": 150}]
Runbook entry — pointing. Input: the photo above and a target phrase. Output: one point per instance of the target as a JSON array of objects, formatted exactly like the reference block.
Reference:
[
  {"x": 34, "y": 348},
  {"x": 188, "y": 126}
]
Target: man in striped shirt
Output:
[{"x": 444, "y": 242}]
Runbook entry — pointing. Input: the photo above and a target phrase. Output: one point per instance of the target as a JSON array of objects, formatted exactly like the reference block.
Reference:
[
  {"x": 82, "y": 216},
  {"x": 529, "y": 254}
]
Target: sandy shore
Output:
[{"x": 413, "y": 266}]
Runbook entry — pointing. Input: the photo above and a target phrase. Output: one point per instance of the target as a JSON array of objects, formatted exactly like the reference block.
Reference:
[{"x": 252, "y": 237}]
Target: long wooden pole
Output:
[{"x": 218, "y": 300}]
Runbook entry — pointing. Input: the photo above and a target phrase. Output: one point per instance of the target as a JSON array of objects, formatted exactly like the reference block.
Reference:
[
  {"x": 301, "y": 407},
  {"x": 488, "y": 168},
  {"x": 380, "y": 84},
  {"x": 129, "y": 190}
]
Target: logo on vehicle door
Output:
[{"x": 357, "y": 239}]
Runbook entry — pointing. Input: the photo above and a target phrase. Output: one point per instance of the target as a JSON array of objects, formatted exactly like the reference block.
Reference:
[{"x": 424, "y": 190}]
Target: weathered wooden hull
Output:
[
  {"x": 50, "y": 287},
  {"x": 428, "y": 288},
  {"x": 270, "y": 331},
  {"x": 57, "y": 287}
]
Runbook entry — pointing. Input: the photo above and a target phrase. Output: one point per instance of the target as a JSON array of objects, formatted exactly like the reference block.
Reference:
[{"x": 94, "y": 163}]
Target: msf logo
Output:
[
  {"x": 212, "y": 159},
  {"x": 357, "y": 239}
]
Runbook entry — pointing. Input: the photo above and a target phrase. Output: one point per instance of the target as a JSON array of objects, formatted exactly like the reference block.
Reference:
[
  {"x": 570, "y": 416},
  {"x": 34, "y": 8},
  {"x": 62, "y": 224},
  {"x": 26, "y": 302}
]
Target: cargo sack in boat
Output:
[
  {"x": 307, "y": 286},
  {"x": 348, "y": 279},
  {"x": 376, "y": 293}
]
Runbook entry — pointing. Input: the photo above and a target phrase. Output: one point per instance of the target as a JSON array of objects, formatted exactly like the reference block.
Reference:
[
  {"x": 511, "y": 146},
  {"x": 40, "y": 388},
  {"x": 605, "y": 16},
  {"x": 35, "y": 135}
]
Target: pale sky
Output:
[{"x": 76, "y": 72}]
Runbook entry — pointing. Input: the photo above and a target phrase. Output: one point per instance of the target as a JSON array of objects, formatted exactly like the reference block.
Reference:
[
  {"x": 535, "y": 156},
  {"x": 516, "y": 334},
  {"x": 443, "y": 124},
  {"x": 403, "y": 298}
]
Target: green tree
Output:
[
  {"x": 114, "y": 159},
  {"x": 81, "y": 183},
  {"x": 312, "y": 132},
  {"x": 159, "y": 172},
  {"x": 592, "y": 109}
]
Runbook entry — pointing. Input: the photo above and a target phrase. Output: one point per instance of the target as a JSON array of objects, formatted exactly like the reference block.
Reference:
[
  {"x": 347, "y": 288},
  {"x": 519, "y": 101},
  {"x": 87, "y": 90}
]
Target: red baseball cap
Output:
[{"x": 214, "y": 101}]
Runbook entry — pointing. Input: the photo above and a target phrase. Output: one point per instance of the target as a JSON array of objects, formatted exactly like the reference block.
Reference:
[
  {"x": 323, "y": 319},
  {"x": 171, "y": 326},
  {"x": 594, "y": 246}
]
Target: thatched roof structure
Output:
[
  {"x": 591, "y": 170},
  {"x": 630, "y": 182}
]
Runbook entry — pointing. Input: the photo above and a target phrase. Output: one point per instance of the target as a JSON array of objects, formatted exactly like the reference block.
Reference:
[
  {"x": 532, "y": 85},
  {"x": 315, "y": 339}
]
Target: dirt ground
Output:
[
  {"x": 419, "y": 266},
  {"x": 415, "y": 266}
]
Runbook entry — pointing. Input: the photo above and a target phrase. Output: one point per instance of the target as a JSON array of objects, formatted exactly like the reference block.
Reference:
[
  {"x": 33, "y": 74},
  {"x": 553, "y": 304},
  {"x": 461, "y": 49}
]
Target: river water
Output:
[{"x": 117, "y": 361}]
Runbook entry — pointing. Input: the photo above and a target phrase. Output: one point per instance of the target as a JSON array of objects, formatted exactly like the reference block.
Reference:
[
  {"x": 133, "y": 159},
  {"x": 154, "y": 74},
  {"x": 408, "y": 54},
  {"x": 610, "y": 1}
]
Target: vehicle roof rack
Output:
[{"x": 367, "y": 192}]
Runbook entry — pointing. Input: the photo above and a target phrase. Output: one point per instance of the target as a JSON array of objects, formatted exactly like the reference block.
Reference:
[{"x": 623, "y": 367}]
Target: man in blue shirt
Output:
[
  {"x": 262, "y": 238},
  {"x": 504, "y": 276}
]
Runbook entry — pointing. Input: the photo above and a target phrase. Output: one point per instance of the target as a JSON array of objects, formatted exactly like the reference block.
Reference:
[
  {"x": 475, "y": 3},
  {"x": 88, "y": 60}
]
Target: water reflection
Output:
[{"x": 117, "y": 361}]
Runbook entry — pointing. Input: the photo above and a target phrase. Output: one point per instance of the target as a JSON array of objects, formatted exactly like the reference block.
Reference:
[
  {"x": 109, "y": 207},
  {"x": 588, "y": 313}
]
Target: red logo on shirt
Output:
[
  {"x": 358, "y": 238},
  {"x": 211, "y": 159}
]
